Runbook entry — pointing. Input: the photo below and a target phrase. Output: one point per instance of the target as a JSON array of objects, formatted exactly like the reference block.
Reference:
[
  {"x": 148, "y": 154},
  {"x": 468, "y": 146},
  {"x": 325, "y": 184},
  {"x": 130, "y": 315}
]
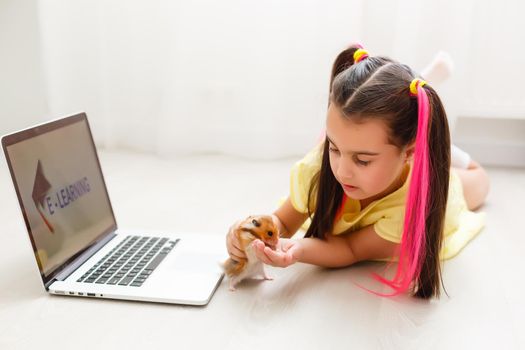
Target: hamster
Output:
[{"x": 254, "y": 227}]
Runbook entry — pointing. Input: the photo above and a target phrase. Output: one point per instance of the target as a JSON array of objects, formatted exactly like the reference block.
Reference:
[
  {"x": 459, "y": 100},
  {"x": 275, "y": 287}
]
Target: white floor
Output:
[{"x": 304, "y": 307}]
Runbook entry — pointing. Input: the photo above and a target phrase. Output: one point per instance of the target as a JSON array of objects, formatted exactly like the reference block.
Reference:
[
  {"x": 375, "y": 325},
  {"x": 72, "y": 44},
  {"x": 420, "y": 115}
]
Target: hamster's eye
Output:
[
  {"x": 256, "y": 223},
  {"x": 270, "y": 233}
]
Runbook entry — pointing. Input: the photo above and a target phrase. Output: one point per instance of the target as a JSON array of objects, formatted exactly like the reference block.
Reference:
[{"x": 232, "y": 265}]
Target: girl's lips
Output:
[{"x": 349, "y": 188}]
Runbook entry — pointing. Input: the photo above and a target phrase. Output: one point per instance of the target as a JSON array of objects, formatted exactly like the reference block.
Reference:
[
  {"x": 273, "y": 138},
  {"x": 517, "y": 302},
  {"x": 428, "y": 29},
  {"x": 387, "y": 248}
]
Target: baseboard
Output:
[{"x": 492, "y": 141}]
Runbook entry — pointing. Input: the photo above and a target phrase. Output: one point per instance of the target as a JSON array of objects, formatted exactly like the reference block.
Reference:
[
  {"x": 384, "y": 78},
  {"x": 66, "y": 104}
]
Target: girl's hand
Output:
[
  {"x": 233, "y": 245},
  {"x": 287, "y": 252}
]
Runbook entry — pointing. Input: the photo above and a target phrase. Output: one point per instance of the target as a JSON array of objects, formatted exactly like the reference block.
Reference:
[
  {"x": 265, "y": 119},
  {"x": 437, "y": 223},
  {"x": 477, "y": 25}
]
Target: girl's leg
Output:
[
  {"x": 473, "y": 177},
  {"x": 439, "y": 69},
  {"x": 476, "y": 183}
]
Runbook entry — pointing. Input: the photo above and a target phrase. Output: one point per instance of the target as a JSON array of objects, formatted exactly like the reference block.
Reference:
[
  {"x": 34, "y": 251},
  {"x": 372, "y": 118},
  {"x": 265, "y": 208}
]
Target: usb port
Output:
[{"x": 91, "y": 294}]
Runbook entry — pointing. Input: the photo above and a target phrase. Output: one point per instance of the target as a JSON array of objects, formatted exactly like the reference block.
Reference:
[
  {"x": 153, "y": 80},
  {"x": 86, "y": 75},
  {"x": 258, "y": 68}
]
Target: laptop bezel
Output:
[{"x": 22, "y": 135}]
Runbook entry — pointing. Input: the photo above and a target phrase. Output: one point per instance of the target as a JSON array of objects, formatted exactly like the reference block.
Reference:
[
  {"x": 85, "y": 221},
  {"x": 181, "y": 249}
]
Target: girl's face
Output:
[{"x": 362, "y": 160}]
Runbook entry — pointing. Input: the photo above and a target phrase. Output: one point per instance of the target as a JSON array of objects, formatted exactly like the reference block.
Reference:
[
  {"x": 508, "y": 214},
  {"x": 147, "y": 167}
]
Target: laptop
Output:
[{"x": 78, "y": 247}]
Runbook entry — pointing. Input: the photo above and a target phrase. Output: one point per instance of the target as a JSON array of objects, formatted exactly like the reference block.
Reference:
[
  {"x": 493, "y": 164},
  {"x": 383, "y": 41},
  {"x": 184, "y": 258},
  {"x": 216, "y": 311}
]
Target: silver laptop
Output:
[{"x": 77, "y": 245}]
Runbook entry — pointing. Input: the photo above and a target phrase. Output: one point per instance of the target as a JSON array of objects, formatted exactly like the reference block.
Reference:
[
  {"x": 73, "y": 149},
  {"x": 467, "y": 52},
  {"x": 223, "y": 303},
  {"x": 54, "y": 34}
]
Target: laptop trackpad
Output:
[{"x": 195, "y": 262}]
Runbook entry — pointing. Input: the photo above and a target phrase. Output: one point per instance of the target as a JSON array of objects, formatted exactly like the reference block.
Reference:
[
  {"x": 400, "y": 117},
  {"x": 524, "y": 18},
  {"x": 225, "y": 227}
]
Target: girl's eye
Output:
[
  {"x": 332, "y": 149},
  {"x": 362, "y": 162}
]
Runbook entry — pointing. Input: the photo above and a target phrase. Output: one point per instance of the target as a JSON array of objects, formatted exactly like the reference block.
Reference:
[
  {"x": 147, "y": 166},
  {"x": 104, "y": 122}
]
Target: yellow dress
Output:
[{"x": 387, "y": 213}]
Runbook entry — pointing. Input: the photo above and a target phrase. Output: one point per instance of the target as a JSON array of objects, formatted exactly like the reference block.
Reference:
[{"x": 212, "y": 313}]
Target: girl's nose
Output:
[{"x": 344, "y": 170}]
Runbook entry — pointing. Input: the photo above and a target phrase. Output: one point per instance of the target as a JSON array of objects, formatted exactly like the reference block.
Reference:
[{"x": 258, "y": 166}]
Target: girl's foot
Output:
[{"x": 439, "y": 70}]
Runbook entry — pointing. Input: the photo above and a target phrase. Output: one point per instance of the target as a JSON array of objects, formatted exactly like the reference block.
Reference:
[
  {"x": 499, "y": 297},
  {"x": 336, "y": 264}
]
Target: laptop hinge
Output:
[{"x": 82, "y": 258}]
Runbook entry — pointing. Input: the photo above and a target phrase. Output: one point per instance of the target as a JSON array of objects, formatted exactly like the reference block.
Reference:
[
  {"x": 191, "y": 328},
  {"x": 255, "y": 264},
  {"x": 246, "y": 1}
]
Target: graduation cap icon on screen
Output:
[{"x": 40, "y": 190}]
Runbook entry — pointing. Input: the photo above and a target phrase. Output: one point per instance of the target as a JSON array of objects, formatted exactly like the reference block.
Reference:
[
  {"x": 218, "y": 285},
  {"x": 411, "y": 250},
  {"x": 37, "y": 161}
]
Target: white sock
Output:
[
  {"x": 459, "y": 158},
  {"x": 439, "y": 69}
]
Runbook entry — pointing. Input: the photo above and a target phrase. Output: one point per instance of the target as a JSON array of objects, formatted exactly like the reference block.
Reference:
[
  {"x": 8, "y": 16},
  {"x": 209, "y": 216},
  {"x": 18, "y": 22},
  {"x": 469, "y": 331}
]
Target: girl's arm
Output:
[
  {"x": 288, "y": 219},
  {"x": 334, "y": 251}
]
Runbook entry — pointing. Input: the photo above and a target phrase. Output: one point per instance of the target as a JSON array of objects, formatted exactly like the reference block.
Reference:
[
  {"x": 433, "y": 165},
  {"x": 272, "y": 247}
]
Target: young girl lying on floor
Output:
[{"x": 380, "y": 185}]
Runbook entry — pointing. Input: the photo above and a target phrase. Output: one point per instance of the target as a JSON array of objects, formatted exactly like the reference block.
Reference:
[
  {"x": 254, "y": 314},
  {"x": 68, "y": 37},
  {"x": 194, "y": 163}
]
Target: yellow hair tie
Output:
[
  {"x": 414, "y": 84},
  {"x": 359, "y": 55}
]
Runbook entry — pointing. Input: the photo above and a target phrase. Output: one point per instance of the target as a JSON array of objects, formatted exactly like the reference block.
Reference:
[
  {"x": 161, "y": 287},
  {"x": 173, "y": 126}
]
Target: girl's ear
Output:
[{"x": 409, "y": 152}]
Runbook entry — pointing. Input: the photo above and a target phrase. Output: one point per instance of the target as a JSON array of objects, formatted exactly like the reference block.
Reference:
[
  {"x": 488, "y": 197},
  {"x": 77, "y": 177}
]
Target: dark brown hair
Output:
[{"x": 378, "y": 87}]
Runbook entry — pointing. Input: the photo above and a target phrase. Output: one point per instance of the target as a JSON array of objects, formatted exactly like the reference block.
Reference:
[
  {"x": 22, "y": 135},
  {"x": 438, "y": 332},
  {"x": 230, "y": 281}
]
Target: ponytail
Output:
[
  {"x": 419, "y": 265},
  {"x": 346, "y": 59},
  {"x": 325, "y": 194}
]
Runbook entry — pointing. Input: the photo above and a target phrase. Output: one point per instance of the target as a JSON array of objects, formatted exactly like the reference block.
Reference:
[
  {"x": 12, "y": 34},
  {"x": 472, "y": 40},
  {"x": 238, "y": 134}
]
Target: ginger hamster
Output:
[{"x": 254, "y": 227}]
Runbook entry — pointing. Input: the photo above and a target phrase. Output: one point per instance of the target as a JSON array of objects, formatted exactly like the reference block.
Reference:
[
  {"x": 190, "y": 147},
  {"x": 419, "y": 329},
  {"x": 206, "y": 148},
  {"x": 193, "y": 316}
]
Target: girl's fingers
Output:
[
  {"x": 259, "y": 252},
  {"x": 273, "y": 257},
  {"x": 278, "y": 258},
  {"x": 237, "y": 255},
  {"x": 286, "y": 257},
  {"x": 233, "y": 246},
  {"x": 269, "y": 256}
]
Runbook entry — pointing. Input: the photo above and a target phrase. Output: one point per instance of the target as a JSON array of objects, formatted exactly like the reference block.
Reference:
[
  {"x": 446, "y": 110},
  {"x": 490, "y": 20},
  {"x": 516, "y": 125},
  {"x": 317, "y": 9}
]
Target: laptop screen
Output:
[{"x": 61, "y": 190}]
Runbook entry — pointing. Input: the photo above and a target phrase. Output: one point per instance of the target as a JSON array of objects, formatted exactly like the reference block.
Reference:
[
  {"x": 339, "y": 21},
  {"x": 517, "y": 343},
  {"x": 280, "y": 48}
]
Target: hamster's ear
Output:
[
  {"x": 248, "y": 220},
  {"x": 256, "y": 223}
]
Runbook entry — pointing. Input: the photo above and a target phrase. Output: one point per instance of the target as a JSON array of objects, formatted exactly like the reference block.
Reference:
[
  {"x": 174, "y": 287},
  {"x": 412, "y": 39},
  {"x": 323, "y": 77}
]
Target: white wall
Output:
[
  {"x": 485, "y": 38},
  {"x": 244, "y": 77},
  {"x": 23, "y": 98},
  {"x": 241, "y": 77}
]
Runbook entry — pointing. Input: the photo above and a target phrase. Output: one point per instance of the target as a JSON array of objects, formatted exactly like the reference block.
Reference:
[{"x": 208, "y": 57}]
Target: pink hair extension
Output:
[
  {"x": 339, "y": 213},
  {"x": 412, "y": 247}
]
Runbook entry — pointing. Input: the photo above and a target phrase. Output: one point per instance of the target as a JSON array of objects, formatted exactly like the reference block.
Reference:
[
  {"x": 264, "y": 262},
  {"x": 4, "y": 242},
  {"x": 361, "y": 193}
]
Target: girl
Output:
[{"x": 380, "y": 186}]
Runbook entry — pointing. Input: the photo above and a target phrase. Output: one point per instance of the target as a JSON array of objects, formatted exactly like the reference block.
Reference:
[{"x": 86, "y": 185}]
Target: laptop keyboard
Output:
[{"x": 131, "y": 262}]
